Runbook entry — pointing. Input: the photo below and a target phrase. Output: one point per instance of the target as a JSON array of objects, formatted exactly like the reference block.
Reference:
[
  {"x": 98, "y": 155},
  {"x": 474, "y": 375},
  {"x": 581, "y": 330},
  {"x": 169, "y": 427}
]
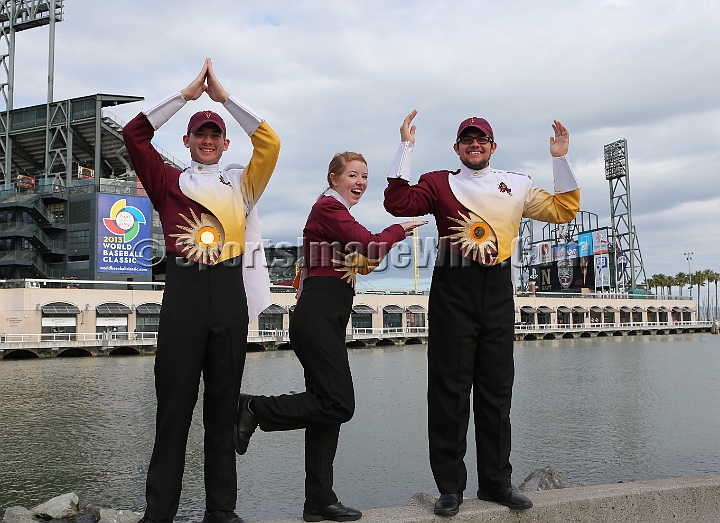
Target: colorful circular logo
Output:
[{"x": 124, "y": 220}]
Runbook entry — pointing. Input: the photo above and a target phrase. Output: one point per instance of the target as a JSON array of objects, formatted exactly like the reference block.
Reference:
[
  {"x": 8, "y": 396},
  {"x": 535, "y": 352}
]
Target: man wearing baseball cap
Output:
[
  {"x": 477, "y": 210},
  {"x": 214, "y": 285}
]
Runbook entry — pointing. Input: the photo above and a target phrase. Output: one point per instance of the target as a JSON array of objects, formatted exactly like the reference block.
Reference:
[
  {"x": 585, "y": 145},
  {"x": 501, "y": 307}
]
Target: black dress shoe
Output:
[
  {"x": 335, "y": 512},
  {"x": 448, "y": 504},
  {"x": 509, "y": 497},
  {"x": 245, "y": 424},
  {"x": 221, "y": 516}
]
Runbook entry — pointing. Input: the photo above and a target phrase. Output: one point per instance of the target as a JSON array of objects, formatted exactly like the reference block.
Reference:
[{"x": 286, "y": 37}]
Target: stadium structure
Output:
[
  {"x": 70, "y": 203},
  {"x": 582, "y": 255}
]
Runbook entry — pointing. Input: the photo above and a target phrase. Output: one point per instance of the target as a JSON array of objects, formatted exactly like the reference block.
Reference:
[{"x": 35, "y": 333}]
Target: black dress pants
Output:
[
  {"x": 470, "y": 347},
  {"x": 317, "y": 335},
  {"x": 203, "y": 330}
]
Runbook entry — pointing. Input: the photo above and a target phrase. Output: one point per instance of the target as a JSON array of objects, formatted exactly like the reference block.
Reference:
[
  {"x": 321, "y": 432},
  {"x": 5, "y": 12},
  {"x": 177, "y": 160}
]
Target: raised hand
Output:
[
  {"x": 407, "y": 133},
  {"x": 410, "y": 226},
  {"x": 215, "y": 89},
  {"x": 560, "y": 144},
  {"x": 197, "y": 87}
]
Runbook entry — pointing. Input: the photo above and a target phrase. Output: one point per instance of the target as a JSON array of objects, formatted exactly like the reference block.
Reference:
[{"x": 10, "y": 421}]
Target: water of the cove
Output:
[{"x": 597, "y": 410}]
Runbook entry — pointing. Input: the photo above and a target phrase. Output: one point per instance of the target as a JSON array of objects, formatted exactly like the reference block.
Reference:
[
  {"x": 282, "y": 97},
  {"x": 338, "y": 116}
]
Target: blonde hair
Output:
[{"x": 338, "y": 163}]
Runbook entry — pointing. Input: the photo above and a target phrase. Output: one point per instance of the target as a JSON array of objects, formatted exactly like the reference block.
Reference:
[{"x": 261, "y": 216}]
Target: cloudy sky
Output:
[{"x": 341, "y": 75}]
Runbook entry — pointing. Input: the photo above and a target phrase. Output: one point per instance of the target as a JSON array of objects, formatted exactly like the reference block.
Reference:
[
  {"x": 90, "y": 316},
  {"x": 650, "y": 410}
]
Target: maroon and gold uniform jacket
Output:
[
  {"x": 336, "y": 245},
  {"x": 202, "y": 209},
  {"x": 208, "y": 215},
  {"x": 478, "y": 212}
]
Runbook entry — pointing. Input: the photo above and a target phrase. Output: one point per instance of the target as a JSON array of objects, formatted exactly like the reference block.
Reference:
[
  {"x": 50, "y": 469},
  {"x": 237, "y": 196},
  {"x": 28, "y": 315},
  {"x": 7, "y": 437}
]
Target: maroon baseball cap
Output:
[
  {"x": 479, "y": 123},
  {"x": 203, "y": 117}
]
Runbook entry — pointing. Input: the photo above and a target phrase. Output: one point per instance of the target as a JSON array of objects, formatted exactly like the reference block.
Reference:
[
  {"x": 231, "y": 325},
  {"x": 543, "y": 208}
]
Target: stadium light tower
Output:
[
  {"x": 19, "y": 15},
  {"x": 624, "y": 243}
]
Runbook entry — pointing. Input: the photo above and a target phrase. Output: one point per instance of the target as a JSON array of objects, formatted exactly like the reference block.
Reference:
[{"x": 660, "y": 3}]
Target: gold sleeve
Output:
[
  {"x": 553, "y": 208},
  {"x": 266, "y": 148}
]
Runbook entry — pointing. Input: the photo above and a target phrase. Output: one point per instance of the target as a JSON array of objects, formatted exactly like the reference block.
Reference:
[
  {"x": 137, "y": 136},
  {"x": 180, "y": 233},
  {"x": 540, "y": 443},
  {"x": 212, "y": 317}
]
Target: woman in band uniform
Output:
[{"x": 336, "y": 248}]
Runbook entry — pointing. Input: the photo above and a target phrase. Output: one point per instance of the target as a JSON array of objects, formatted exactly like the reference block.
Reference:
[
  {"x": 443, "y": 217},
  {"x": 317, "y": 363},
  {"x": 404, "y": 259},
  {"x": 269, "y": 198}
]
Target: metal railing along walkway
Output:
[
  {"x": 592, "y": 327},
  {"x": 149, "y": 338}
]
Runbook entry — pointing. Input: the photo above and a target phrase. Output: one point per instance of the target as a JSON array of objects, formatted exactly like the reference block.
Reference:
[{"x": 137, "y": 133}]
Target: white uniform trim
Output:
[
  {"x": 401, "y": 166},
  {"x": 245, "y": 116},
  {"x": 563, "y": 176},
  {"x": 334, "y": 194},
  {"x": 159, "y": 113},
  {"x": 255, "y": 274}
]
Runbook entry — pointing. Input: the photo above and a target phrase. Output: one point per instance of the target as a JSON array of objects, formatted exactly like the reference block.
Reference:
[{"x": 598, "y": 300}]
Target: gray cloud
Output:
[{"x": 334, "y": 76}]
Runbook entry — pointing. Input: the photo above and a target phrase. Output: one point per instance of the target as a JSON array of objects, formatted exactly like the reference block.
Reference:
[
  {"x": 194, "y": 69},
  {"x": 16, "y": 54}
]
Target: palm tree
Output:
[
  {"x": 669, "y": 281},
  {"x": 699, "y": 278},
  {"x": 708, "y": 276},
  {"x": 658, "y": 281},
  {"x": 650, "y": 283},
  {"x": 714, "y": 277},
  {"x": 680, "y": 280}
]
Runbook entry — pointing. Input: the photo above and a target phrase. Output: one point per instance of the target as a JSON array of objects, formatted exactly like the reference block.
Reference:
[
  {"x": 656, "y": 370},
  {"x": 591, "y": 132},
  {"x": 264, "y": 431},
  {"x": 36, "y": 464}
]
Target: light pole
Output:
[{"x": 688, "y": 257}]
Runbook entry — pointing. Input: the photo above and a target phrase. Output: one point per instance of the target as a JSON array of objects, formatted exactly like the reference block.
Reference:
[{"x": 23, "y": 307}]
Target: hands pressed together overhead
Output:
[{"x": 206, "y": 82}]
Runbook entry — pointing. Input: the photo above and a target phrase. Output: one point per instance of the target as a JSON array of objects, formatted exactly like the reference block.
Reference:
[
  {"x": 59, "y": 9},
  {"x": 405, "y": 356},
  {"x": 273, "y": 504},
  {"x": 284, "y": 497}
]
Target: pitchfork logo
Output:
[{"x": 124, "y": 220}]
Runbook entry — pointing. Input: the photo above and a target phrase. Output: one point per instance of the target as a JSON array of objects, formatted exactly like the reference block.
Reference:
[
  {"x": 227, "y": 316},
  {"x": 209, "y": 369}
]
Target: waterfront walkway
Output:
[
  {"x": 678, "y": 500},
  {"x": 22, "y": 346}
]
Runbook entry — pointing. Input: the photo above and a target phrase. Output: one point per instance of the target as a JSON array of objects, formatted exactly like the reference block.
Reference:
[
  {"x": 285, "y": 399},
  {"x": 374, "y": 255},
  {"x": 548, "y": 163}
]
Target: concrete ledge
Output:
[{"x": 680, "y": 500}]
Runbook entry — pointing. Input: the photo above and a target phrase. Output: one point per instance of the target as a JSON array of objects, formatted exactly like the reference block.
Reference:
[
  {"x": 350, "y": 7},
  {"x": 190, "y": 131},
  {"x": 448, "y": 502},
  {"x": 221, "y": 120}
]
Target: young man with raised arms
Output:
[
  {"x": 478, "y": 211},
  {"x": 207, "y": 215}
]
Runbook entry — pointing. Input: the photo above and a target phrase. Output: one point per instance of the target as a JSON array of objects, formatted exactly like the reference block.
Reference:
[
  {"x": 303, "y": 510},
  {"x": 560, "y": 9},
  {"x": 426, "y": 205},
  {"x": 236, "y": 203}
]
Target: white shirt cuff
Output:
[
  {"x": 245, "y": 116},
  {"x": 401, "y": 166},
  {"x": 563, "y": 176},
  {"x": 165, "y": 109}
]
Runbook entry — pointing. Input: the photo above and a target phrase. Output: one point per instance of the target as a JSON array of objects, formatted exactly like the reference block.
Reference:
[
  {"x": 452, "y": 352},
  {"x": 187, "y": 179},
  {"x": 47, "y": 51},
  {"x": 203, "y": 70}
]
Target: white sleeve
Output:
[
  {"x": 165, "y": 109},
  {"x": 563, "y": 176},
  {"x": 245, "y": 116},
  {"x": 401, "y": 166}
]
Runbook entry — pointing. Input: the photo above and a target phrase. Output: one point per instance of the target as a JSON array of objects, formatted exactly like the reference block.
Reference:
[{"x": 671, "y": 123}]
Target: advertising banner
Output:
[
  {"x": 585, "y": 244},
  {"x": 544, "y": 253},
  {"x": 559, "y": 252},
  {"x": 565, "y": 273},
  {"x": 600, "y": 243},
  {"x": 123, "y": 234},
  {"x": 586, "y": 272},
  {"x": 570, "y": 274},
  {"x": 602, "y": 271},
  {"x": 571, "y": 250},
  {"x": 532, "y": 255}
]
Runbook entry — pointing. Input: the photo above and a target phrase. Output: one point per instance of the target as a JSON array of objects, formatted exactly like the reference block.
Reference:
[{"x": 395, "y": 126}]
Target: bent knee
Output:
[{"x": 345, "y": 409}]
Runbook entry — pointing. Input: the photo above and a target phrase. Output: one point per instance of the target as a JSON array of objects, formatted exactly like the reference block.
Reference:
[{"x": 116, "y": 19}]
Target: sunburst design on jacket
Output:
[
  {"x": 354, "y": 263},
  {"x": 202, "y": 240},
  {"x": 476, "y": 238}
]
